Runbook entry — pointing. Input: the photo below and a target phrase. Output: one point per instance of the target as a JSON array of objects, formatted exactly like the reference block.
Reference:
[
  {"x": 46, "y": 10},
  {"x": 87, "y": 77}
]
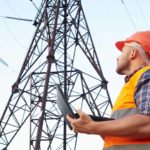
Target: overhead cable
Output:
[
  {"x": 35, "y": 5},
  {"x": 142, "y": 15},
  {"x": 128, "y": 13},
  {"x": 12, "y": 35},
  {"x": 14, "y": 12}
]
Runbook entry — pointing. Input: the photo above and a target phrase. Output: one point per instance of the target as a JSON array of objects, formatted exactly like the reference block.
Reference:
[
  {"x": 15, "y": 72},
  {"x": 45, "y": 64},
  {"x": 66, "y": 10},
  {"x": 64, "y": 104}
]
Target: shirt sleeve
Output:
[{"x": 142, "y": 94}]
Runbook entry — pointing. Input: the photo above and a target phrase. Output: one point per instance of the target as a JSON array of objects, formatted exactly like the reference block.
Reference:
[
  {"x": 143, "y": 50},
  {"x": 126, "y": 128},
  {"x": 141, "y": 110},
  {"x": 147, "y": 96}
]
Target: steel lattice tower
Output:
[{"x": 61, "y": 53}]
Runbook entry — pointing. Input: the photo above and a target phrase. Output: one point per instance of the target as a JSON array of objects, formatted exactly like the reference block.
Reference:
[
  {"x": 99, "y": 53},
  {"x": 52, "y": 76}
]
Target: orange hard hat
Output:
[{"x": 143, "y": 38}]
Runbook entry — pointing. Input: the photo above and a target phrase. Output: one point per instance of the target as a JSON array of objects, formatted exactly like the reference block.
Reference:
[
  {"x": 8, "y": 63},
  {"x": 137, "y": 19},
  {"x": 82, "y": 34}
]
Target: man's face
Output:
[{"x": 123, "y": 61}]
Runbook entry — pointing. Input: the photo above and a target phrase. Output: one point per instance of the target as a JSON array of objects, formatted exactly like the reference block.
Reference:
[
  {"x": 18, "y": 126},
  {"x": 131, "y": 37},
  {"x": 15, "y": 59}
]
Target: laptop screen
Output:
[{"x": 63, "y": 105}]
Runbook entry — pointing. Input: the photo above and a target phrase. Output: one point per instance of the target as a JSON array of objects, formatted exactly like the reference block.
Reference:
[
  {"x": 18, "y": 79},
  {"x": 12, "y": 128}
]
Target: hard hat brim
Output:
[{"x": 120, "y": 45}]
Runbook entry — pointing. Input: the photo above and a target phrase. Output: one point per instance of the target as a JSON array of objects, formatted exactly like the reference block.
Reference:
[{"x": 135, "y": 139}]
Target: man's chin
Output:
[{"x": 119, "y": 72}]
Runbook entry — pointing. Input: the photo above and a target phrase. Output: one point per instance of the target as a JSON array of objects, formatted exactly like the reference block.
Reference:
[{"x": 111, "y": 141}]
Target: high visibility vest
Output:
[{"x": 125, "y": 105}]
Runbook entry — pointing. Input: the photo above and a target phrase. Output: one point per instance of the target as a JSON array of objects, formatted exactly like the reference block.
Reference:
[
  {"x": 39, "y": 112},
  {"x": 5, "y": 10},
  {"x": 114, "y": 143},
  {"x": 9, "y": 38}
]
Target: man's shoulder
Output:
[
  {"x": 144, "y": 72},
  {"x": 144, "y": 79},
  {"x": 146, "y": 75}
]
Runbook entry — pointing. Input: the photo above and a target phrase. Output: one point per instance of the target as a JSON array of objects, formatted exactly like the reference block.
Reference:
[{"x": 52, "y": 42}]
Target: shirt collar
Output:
[{"x": 127, "y": 78}]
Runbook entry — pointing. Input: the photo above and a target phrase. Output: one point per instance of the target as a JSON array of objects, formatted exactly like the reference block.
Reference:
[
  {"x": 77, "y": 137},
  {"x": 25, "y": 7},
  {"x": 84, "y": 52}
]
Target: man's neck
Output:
[{"x": 127, "y": 77}]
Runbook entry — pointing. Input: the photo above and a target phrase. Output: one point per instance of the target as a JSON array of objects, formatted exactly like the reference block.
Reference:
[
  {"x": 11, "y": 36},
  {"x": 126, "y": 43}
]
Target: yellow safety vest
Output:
[{"x": 125, "y": 105}]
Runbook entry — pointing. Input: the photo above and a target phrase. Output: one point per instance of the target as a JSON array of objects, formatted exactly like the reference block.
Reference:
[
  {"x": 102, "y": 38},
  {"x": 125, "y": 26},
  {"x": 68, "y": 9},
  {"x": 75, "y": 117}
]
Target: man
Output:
[{"x": 131, "y": 128}]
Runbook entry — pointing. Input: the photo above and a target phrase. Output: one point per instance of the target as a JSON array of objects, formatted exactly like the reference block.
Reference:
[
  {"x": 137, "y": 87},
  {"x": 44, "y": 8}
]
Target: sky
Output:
[{"x": 109, "y": 21}]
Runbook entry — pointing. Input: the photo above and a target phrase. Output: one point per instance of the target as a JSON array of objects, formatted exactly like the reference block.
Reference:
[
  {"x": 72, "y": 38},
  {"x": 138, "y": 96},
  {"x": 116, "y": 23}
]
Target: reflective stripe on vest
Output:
[
  {"x": 124, "y": 112},
  {"x": 130, "y": 147},
  {"x": 124, "y": 106}
]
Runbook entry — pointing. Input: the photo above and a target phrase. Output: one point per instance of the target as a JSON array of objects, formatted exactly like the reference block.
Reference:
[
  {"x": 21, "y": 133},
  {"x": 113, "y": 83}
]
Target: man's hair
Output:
[{"x": 143, "y": 54}]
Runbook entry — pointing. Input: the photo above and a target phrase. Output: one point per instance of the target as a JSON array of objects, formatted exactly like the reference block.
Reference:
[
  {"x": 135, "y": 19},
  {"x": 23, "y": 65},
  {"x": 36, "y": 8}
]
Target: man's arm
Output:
[{"x": 134, "y": 126}]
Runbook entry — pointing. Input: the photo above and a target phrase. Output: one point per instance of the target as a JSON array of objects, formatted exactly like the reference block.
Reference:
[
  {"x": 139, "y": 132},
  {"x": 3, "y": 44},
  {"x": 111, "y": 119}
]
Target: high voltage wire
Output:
[
  {"x": 35, "y": 5},
  {"x": 128, "y": 13},
  {"x": 141, "y": 12},
  {"x": 12, "y": 35},
  {"x": 14, "y": 12},
  {"x": 130, "y": 17},
  {"x": 14, "y": 18}
]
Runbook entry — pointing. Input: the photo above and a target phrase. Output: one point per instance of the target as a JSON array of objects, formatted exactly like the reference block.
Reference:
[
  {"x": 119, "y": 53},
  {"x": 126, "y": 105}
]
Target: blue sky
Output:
[{"x": 109, "y": 21}]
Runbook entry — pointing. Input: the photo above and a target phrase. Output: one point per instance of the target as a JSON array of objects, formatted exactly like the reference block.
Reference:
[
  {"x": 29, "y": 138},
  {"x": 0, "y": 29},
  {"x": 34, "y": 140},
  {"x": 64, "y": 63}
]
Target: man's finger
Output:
[
  {"x": 81, "y": 113},
  {"x": 69, "y": 118},
  {"x": 74, "y": 131}
]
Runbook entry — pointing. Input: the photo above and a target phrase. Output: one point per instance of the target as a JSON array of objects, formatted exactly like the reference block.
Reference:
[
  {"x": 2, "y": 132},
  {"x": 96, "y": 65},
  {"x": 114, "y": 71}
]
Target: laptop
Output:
[{"x": 65, "y": 108}]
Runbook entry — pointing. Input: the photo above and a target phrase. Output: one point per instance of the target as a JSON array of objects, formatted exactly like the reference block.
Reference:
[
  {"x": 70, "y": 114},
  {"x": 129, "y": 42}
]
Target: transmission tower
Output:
[{"x": 61, "y": 53}]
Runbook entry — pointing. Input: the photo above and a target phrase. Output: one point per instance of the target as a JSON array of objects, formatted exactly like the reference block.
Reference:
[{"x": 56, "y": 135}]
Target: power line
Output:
[
  {"x": 12, "y": 35},
  {"x": 128, "y": 13},
  {"x": 18, "y": 17},
  {"x": 142, "y": 15},
  {"x": 35, "y": 5},
  {"x": 11, "y": 8}
]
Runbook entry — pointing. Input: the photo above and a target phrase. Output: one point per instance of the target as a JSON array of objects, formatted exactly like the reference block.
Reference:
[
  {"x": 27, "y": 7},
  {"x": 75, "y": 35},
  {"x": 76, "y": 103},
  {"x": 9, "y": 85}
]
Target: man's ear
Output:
[{"x": 133, "y": 53}]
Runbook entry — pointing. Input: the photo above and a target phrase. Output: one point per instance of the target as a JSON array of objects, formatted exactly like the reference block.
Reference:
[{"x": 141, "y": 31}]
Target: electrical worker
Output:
[{"x": 131, "y": 128}]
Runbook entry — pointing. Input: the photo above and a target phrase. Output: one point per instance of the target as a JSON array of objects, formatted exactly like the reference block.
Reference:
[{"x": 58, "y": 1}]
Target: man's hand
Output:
[{"x": 84, "y": 124}]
